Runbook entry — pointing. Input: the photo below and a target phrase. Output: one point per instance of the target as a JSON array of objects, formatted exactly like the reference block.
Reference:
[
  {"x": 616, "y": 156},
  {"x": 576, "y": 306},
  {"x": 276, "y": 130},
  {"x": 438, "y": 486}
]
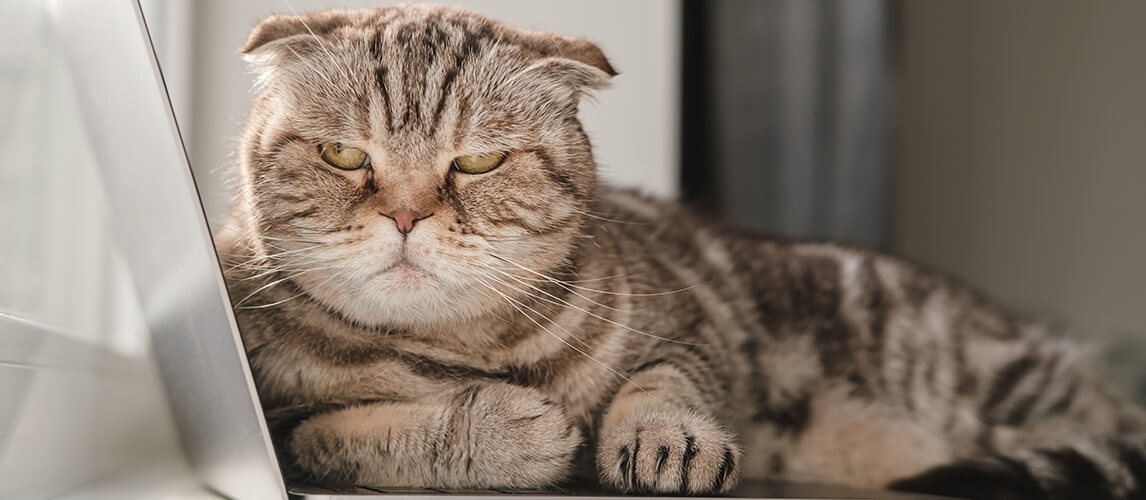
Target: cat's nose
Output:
[{"x": 405, "y": 219}]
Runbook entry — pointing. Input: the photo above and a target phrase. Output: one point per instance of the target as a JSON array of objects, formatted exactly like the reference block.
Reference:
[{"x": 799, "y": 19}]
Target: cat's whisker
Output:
[
  {"x": 278, "y": 281},
  {"x": 271, "y": 256},
  {"x": 313, "y": 68},
  {"x": 594, "y": 290},
  {"x": 283, "y": 301},
  {"x": 281, "y": 251},
  {"x": 485, "y": 293},
  {"x": 507, "y": 239},
  {"x": 304, "y": 229},
  {"x": 539, "y": 313},
  {"x": 603, "y": 278},
  {"x": 513, "y": 302},
  {"x": 574, "y": 292},
  {"x": 586, "y": 280},
  {"x": 648, "y": 294},
  {"x": 273, "y": 262},
  {"x": 607, "y": 219},
  {"x": 288, "y": 240},
  {"x": 262, "y": 268},
  {"x": 263, "y": 271},
  {"x": 528, "y": 294},
  {"x": 272, "y": 304},
  {"x": 564, "y": 303},
  {"x": 329, "y": 55}
]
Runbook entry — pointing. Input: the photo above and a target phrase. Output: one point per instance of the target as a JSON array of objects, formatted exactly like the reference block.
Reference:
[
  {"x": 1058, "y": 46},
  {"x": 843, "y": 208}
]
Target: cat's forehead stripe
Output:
[
  {"x": 380, "y": 78},
  {"x": 430, "y": 54}
]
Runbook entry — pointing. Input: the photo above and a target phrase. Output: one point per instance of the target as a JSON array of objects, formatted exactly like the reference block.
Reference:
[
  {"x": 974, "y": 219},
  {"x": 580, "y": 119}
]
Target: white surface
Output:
[
  {"x": 633, "y": 125},
  {"x": 73, "y": 413},
  {"x": 166, "y": 478}
]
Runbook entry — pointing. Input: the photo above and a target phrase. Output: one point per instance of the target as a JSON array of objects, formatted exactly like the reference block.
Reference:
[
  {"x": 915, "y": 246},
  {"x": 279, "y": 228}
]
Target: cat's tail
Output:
[{"x": 1088, "y": 469}]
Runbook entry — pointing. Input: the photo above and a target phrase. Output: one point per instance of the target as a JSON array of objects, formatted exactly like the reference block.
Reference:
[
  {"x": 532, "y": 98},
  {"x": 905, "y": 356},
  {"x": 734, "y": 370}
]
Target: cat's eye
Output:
[
  {"x": 478, "y": 164},
  {"x": 344, "y": 157}
]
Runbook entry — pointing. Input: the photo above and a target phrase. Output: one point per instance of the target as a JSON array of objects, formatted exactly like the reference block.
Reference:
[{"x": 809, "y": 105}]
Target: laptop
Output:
[{"x": 162, "y": 229}]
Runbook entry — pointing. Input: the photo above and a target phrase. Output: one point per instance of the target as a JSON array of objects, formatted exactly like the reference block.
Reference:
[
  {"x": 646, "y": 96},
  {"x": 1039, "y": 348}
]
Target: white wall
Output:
[
  {"x": 1022, "y": 157},
  {"x": 633, "y": 126}
]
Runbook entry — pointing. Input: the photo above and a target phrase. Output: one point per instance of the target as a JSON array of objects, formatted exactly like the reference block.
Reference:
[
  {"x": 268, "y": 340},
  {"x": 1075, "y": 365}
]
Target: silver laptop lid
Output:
[{"x": 161, "y": 226}]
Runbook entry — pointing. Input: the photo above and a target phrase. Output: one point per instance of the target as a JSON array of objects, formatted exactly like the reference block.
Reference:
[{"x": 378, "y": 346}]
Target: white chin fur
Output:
[
  {"x": 390, "y": 282},
  {"x": 387, "y": 282},
  {"x": 403, "y": 296}
]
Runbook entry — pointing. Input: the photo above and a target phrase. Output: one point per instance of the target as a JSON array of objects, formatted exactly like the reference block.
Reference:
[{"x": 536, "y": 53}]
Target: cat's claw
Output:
[{"x": 655, "y": 453}]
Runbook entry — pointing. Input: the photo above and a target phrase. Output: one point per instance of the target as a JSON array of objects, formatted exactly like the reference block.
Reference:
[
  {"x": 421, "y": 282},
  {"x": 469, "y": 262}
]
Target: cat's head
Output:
[{"x": 399, "y": 160}]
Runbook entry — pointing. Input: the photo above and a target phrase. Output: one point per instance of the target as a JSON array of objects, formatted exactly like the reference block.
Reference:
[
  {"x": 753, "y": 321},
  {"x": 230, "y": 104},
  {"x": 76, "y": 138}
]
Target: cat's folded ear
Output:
[
  {"x": 585, "y": 52},
  {"x": 277, "y": 29},
  {"x": 279, "y": 40},
  {"x": 576, "y": 63}
]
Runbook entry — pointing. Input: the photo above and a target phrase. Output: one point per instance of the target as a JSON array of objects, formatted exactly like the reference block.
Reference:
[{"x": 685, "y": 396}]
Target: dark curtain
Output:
[{"x": 786, "y": 111}]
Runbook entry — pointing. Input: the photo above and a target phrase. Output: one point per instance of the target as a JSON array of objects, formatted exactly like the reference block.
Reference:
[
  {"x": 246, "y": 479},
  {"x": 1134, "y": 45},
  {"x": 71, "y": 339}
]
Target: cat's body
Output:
[{"x": 409, "y": 323}]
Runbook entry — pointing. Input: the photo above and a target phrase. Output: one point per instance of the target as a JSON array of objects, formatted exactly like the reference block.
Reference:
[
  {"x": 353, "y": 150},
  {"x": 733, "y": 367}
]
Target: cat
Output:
[{"x": 434, "y": 290}]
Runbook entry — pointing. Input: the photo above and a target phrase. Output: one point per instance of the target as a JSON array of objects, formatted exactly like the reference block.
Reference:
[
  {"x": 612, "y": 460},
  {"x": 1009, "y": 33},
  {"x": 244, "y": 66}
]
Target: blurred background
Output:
[{"x": 1003, "y": 143}]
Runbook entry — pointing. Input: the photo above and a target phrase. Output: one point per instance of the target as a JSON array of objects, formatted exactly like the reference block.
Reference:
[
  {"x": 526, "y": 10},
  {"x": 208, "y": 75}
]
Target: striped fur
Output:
[{"x": 535, "y": 327}]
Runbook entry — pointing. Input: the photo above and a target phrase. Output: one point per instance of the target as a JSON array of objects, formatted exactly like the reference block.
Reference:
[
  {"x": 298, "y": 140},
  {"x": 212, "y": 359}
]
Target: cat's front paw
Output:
[
  {"x": 516, "y": 437},
  {"x": 477, "y": 436},
  {"x": 672, "y": 452}
]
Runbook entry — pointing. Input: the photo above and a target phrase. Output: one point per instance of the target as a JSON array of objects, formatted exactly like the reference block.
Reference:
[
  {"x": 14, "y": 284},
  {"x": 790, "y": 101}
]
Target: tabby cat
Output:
[{"x": 434, "y": 290}]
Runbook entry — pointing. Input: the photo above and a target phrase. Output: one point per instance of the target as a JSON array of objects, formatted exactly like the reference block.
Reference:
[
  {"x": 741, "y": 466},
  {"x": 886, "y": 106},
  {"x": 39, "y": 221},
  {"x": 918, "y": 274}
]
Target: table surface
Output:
[{"x": 748, "y": 489}]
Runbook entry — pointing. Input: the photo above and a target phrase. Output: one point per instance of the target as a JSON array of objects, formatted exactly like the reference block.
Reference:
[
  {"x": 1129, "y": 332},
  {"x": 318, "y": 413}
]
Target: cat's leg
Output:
[
  {"x": 1084, "y": 465},
  {"x": 657, "y": 436},
  {"x": 475, "y": 436},
  {"x": 1050, "y": 430}
]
